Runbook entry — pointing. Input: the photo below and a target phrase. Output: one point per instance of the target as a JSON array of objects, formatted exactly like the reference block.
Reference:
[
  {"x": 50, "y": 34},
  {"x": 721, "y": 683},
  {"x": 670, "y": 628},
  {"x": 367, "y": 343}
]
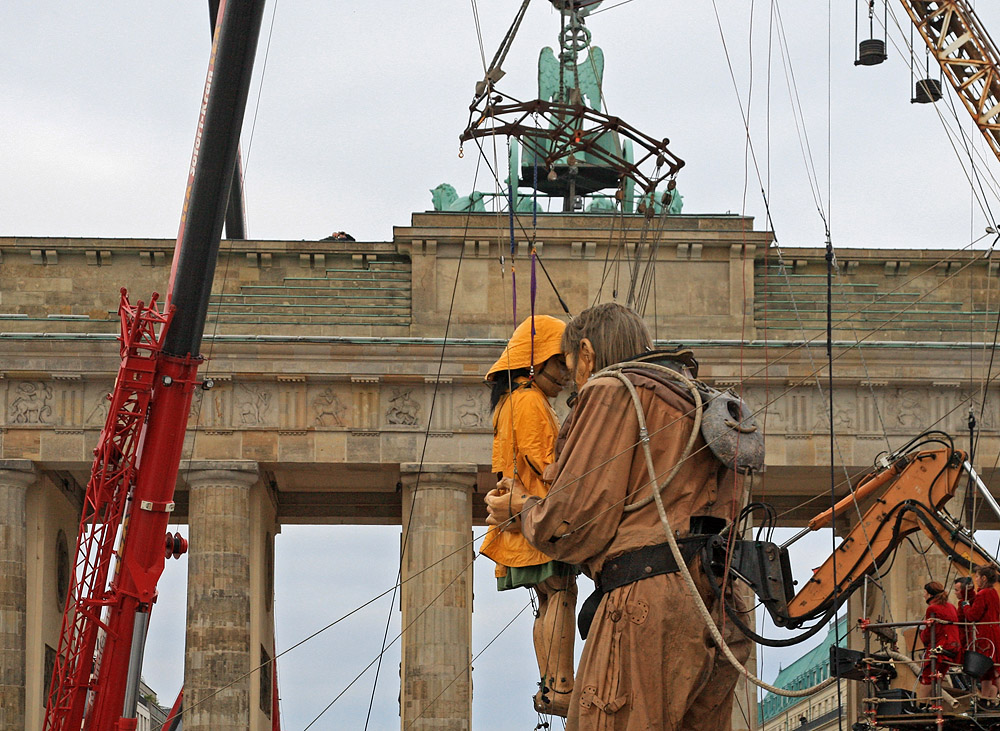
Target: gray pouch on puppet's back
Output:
[{"x": 729, "y": 429}]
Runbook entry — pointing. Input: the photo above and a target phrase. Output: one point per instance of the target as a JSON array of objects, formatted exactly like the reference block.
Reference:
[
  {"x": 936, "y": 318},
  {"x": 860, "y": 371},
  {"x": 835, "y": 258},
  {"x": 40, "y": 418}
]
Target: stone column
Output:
[
  {"x": 15, "y": 477},
  {"x": 437, "y": 596},
  {"x": 218, "y": 596}
]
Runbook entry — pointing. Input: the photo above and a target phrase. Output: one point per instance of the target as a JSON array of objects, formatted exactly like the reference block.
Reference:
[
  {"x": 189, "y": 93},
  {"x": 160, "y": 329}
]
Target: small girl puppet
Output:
[{"x": 529, "y": 373}]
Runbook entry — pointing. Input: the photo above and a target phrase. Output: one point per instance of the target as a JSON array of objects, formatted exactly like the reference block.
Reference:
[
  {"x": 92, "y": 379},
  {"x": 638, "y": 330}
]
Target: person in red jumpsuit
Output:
[
  {"x": 940, "y": 637},
  {"x": 984, "y": 611}
]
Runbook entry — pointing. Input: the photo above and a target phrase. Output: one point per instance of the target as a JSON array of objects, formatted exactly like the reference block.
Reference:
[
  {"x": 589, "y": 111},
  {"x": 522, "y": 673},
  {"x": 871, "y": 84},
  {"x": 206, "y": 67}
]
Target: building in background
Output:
[
  {"x": 813, "y": 713},
  {"x": 150, "y": 714}
]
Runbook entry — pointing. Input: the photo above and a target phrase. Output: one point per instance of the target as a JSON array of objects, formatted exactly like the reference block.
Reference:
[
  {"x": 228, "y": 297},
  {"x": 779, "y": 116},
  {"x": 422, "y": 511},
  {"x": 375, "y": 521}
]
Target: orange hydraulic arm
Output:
[
  {"x": 968, "y": 58},
  {"x": 909, "y": 492},
  {"x": 918, "y": 487}
]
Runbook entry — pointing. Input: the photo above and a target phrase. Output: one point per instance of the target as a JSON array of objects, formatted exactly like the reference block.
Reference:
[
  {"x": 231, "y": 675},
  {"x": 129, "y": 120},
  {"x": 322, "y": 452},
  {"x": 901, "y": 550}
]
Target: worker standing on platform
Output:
[
  {"x": 648, "y": 663},
  {"x": 941, "y": 641},
  {"x": 984, "y": 611},
  {"x": 529, "y": 372}
]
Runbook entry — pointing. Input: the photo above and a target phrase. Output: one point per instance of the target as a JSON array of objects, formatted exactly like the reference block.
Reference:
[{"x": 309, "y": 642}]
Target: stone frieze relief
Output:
[
  {"x": 464, "y": 407},
  {"x": 30, "y": 402}
]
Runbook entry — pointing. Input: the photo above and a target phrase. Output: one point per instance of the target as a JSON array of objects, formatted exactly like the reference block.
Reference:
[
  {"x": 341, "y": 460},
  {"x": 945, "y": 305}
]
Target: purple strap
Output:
[
  {"x": 513, "y": 287},
  {"x": 510, "y": 208},
  {"x": 533, "y": 290}
]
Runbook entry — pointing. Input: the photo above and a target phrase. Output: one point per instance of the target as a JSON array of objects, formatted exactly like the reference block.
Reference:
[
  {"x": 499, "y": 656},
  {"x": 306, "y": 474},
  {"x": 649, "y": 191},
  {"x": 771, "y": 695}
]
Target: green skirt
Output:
[{"x": 518, "y": 576}]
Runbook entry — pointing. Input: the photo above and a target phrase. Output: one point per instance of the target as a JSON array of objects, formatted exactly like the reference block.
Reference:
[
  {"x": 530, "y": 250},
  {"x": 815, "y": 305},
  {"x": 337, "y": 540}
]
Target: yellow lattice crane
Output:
[{"x": 968, "y": 57}]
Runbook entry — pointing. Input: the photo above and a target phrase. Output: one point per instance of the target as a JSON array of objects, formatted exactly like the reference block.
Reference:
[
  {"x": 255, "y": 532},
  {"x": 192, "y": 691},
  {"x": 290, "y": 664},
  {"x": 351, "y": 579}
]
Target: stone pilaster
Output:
[
  {"x": 15, "y": 477},
  {"x": 218, "y": 647},
  {"x": 437, "y": 596}
]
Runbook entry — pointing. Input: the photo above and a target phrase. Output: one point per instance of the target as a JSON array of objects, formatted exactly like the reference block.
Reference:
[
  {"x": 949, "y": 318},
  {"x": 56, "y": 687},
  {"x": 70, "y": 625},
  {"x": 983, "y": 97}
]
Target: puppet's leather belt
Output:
[{"x": 635, "y": 566}]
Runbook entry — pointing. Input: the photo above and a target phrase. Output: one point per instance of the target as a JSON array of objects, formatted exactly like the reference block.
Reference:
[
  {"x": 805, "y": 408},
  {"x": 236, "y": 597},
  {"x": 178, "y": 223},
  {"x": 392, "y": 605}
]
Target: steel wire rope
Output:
[
  {"x": 400, "y": 634},
  {"x": 474, "y": 658},
  {"x": 427, "y": 430},
  {"x": 855, "y": 502},
  {"x": 798, "y": 117},
  {"x": 520, "y": 225},
  {"x": 619, "y": 216},
  {"x": 983, "y": 205},
  {"x": 750, "y": 145},
  {"x": 806, "y": 342},
  {"x": 632, "y": 261},
  {"x": 810, "y": 167},
  {"x": 440, "y": 366},
  {"x": 619, "y": 204},
  {"x": 433, "y": 399},
  {"x": 475, "y": 539},
  {"x": 260, "y": 86},
  {"x": 767, "y": 250},
  {"x": 649, "y": 271},
  {"x": 969, "y": 146},
  {"x": 974, "y": 446},
  {"x": 791, "y": 386},
  {"x": 399, "y": 582},
  {"x": 610, "y": 7},
  {"x": 349, "y": 614},
  {"x": 758, "y": 411},
  {"x": 479, "y": 33},
  {"x": 838, "y": 450},
  {"x": 462, "y": 548},
  {"x": 510, "y": 385},
  {"x": 937, "y": 421},
  {"x": 731, "y": 538},
  {"x": 743, "y": 114},
  {"x": 514, "y": 324}
]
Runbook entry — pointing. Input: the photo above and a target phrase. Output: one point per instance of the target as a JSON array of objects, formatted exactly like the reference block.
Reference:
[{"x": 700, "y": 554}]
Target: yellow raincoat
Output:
[
  {"x": 525, "y": 418},
  {"x": 524, "y": 434}
]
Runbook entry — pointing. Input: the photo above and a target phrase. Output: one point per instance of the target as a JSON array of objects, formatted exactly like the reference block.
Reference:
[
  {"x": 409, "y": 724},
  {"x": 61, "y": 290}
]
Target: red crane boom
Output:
[{"x": 130, "y": 494}]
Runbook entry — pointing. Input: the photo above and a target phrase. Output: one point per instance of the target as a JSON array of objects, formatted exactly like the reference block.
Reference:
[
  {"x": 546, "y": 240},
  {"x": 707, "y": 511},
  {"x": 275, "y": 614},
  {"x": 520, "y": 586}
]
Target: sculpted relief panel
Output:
[
  {"x": 329, "y": 409},
  {"x": 253, "y": 404},
  {"x": 402, "y": 408},
  {"x": 473, "y": 410},
  {"x": 29, "y": 402},
  {"x": 869, "y": 411},
  {"x": 369, "y": 405}
]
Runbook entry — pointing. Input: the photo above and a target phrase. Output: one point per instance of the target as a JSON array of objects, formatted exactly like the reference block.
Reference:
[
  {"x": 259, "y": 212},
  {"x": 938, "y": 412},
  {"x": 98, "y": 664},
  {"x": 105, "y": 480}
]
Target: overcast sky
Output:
[
  {"x": 362, "y": 104},
  {"x": 357, "y": 116}
]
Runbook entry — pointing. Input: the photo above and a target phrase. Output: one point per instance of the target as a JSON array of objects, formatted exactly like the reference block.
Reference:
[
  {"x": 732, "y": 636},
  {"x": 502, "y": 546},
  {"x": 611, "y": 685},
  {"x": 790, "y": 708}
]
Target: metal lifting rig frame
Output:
[{"x": 129, "y": 497}]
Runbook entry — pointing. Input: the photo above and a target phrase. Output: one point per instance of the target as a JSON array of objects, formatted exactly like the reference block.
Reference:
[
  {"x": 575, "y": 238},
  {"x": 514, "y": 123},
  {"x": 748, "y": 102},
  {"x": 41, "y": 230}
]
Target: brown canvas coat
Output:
[{"x": 648, "y": 662}]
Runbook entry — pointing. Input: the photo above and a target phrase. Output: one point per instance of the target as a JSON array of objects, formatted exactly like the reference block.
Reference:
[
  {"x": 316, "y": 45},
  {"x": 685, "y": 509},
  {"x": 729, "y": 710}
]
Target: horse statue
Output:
[
  {"x": 601, "y": 204},
  {"x": 445, "y": 198}
]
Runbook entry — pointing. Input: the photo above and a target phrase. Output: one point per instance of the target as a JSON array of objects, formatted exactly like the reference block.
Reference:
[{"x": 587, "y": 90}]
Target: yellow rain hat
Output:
[{"x": 518, "y": 353}]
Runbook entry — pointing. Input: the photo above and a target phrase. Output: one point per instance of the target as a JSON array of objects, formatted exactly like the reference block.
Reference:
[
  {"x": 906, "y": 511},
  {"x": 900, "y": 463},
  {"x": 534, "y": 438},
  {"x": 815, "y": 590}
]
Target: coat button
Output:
[{"x": 616, "y": 614}]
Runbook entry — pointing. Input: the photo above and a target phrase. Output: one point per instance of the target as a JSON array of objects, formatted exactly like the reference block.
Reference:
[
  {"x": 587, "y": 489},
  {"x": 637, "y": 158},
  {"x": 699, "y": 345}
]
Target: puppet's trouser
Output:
[{"x": 650, "y": 663}]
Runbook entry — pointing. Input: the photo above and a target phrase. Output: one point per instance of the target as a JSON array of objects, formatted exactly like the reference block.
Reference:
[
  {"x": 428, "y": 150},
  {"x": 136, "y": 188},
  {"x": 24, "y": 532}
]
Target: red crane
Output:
[{"x": 129, "y": 497}]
